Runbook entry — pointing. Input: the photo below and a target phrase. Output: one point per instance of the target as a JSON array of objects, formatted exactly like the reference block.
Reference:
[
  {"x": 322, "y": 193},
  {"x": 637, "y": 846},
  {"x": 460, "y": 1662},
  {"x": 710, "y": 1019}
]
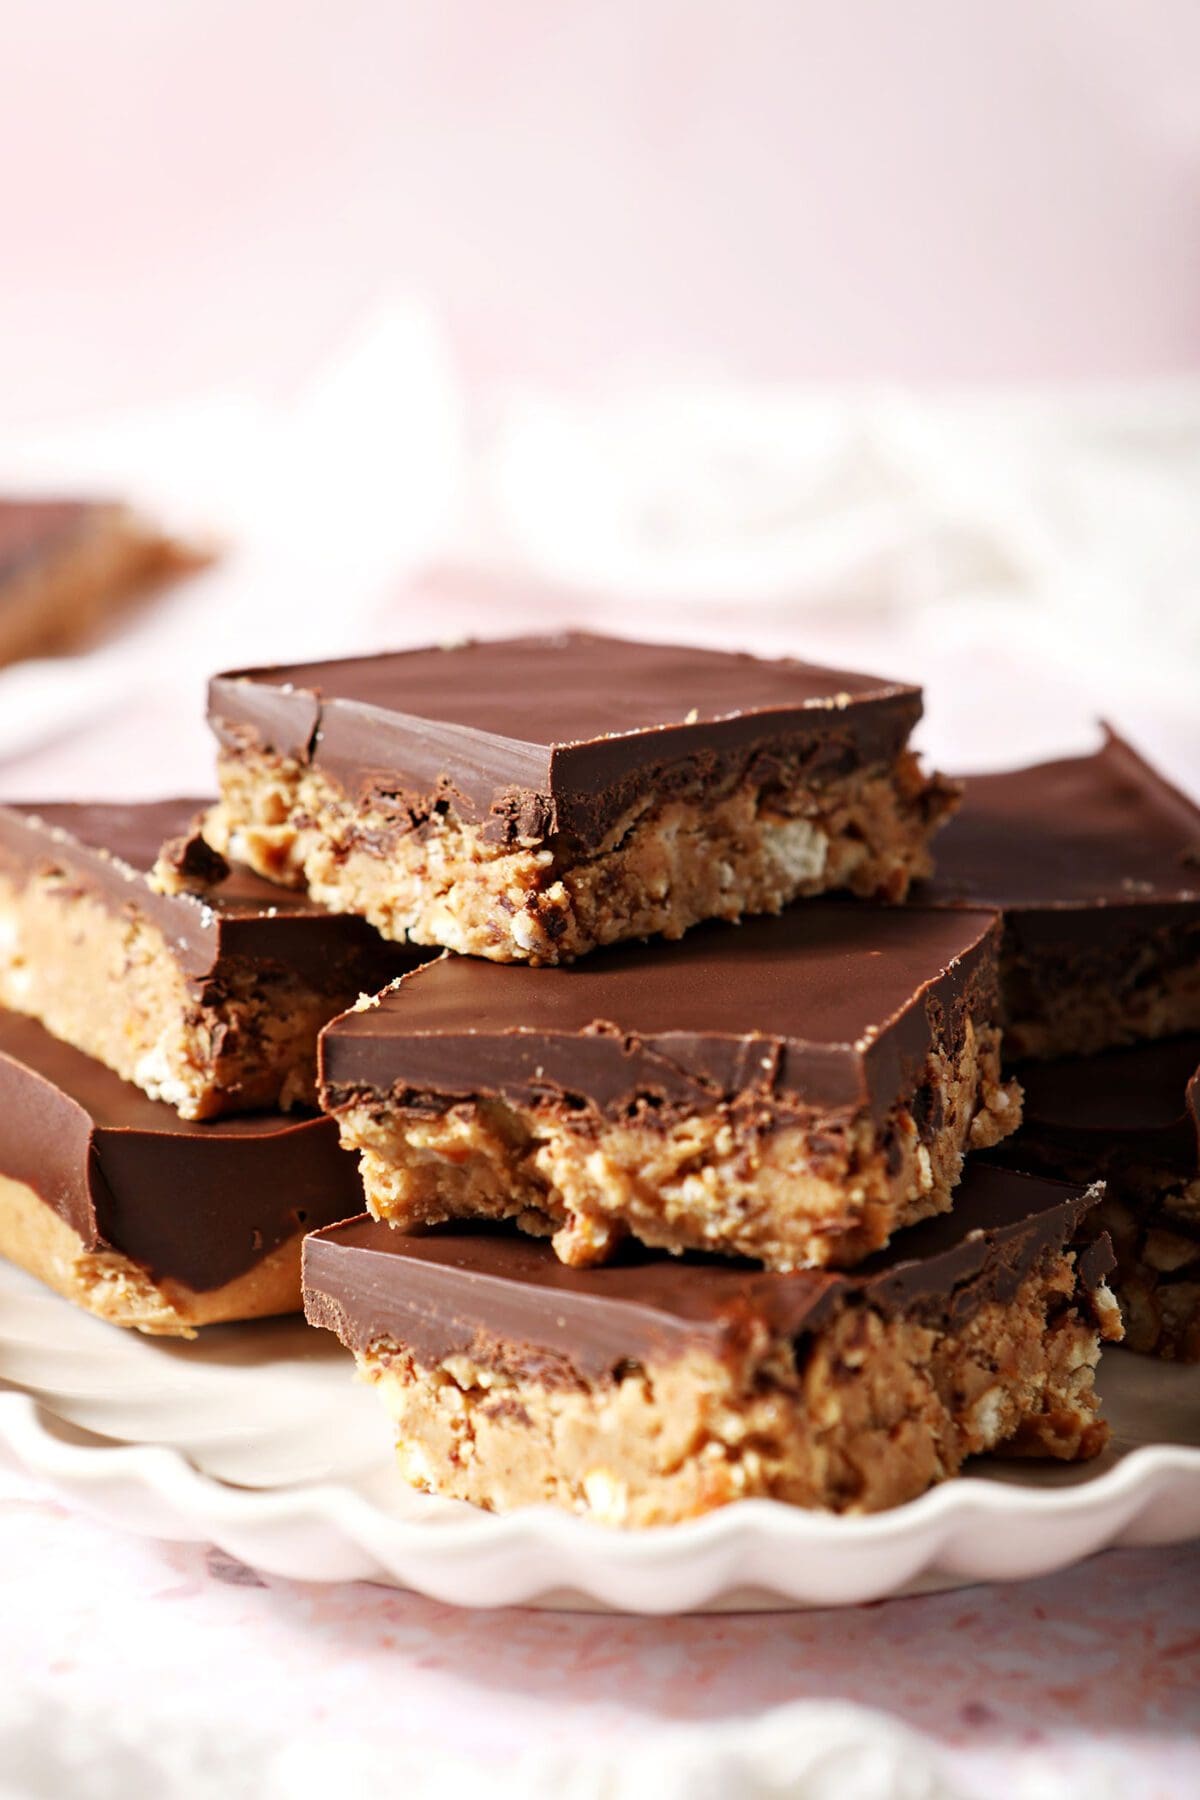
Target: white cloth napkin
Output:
[
  {"x": 1034, "y": 559},
  {"x": 807, "y": 1751},
  {"x": 1081, "y": 505}
]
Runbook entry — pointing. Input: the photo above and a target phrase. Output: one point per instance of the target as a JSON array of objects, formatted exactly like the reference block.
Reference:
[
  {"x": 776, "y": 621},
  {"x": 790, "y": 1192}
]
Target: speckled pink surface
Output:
[{"x": 1085, "y": 1682}]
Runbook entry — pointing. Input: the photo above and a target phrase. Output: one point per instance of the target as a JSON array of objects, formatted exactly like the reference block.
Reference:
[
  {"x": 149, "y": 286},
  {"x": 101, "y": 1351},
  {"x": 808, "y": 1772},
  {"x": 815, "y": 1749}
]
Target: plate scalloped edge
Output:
[{"x": 967, "y": 1530}]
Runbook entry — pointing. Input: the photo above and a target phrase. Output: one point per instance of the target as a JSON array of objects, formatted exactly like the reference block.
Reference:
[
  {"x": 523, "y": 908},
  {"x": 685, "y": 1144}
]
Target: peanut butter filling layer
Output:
[
  {"x": 790, "y": 1194},
  {"x": 121, "y": 1291},
  {"x": 107, "y": 982},
  {"x": 717, "y": 853},
  {"x": 869, "y": 1413}
]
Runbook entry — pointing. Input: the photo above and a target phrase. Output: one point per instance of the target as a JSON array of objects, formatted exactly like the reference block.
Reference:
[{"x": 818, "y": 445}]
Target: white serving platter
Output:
[{"x": 258, "y": 1438}]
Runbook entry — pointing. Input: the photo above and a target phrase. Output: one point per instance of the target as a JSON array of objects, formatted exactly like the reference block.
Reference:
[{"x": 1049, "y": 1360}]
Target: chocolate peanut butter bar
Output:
[
  {"x": 658, "y": 1388},
  {"x": 1095, "y": 863},
  {"x": 531, "y": 799},
  {"x": 66, "y": 565},
  {"x": 141, "y": 1218},
  {"x": 792, "y": 1089},
  {"x": 125, "y": 935},
  {"x": 1131, "y": 1116}
]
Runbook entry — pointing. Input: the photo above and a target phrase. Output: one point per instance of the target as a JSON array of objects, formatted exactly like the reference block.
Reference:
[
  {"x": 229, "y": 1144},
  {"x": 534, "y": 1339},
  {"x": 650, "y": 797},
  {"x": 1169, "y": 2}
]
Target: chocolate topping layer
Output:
[
  {"x": 505, "y": 1297},
  {"x": 544, "y": 735},
  {"x": 111, "y": 850},
  {"x": 200, "y": 1203},
  {"x": 33, "y": 529},
  {"x": 1143, "y": 1102},
  {"x": 1091, "y": 832},
  {"x": 826, "y": 1006}
]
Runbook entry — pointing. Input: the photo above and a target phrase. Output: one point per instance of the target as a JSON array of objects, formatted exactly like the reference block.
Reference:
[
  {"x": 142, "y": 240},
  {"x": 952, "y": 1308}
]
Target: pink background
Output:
[{"x": 215, "y": 189}]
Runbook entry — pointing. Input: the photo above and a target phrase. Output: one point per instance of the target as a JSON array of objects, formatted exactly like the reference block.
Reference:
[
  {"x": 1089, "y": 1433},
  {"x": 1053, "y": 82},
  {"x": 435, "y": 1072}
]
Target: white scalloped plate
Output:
[{"x": 256, "y": 1438}]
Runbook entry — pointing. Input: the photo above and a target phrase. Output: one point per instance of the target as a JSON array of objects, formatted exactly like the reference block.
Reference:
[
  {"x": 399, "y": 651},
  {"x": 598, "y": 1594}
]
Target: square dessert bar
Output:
[
  {"x": 657, "y": 1388},
  {"x": 530, "y": 799},
  {"x": 127, "y": 937},
  {"x": 1131, "y": 1116},
  {"x": 793, "y": 1089},
  {"x": 1095, "y": 863},
  {"x": 66, "y": 565},
  {"x": 142, "y": 1218}
]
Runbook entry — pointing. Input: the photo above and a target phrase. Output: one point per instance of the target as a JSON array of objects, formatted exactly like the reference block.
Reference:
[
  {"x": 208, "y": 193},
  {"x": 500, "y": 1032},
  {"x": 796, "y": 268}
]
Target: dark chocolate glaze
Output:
[
  {"x": 33, "y": 530},
  {"x": 110, "y": 850},
  {"x": 504, "y": 1298},
  {"x": 539, "y": 736},
  {"x": 1101, "y": 831},
  {"x": 826, "y": 1006},
  {"x": 1094, "y": 862},
  {"x": 1112, "y": 1113},
  {"x": 199, "y": 1203}
]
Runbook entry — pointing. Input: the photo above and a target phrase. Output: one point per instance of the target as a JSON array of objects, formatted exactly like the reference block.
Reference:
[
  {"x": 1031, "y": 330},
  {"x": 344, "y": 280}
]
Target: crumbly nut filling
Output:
[
  {"x": 1156, "y": 1239},
  {"x": 869, "y": 1414},
  {"x": 664, "y": 867},
  {"x": 1068, "y": 1010},
  {"x": 790, "y": 1194},
  {"x": 107, "y": 983}
]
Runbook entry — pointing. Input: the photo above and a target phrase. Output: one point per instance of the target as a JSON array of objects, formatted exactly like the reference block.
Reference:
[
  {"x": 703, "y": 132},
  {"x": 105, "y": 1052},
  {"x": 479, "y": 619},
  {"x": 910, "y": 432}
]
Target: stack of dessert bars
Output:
[{"x": 684, "y": 1094}]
